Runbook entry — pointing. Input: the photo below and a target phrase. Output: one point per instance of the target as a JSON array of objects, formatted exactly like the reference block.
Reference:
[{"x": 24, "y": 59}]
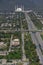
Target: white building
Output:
[
  {"x": 15, "y": 42},
  {"x": 19, "y": 9}
]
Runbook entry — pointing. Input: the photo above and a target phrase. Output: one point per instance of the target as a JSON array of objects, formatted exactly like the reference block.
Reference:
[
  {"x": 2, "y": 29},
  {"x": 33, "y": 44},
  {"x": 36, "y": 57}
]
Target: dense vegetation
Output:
[
  {"x": 17, "y": 51},
  {"x": 30, "y": 50},
  {"x": 16, "y": 54}
]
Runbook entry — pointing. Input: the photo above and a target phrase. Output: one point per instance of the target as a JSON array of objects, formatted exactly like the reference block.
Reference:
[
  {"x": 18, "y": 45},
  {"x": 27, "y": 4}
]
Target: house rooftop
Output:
[{"x": 15, "y": 42}]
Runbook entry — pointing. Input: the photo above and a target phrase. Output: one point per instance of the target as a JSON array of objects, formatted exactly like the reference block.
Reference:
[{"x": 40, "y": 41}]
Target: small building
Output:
[
  {"x": 15, "y": 42},
  {"x": 2, "y": 45}
]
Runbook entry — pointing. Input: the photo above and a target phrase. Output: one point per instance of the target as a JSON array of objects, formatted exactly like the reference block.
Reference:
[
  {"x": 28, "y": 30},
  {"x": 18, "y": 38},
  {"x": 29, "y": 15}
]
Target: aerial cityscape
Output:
[{"x": 21, "y": 37}]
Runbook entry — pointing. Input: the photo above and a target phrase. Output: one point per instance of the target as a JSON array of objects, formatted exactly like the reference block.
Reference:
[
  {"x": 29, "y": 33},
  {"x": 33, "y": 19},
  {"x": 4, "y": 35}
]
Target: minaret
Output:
[
  {"x": 15, "y": 7},
  {"x": 23, "y": 7}
]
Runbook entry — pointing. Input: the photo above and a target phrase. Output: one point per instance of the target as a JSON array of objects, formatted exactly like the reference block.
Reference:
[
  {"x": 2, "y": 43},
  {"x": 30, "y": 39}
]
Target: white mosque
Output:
[{"x": 19, "y": 9}]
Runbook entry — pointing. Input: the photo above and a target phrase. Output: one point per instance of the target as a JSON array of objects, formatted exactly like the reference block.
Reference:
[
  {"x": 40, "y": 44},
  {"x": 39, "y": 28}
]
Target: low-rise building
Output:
[
  {"x": 2, "y": 45},
  {"x": 15, "y": 42}
]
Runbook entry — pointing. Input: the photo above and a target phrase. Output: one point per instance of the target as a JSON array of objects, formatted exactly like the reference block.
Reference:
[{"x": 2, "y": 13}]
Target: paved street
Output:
[
  {"x": 23, "y": 50},
  {"x": 24, "y": 57},
  {"x": 35, "y": 38},
  {"x": 10, "y": 43}
]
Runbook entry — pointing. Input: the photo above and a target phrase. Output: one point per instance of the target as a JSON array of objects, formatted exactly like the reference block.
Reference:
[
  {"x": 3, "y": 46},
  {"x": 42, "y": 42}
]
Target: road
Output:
[
  {"x": 14, "y": 12},
  {"x": 35, "y": 37},
  {"x": 10, "y": 43},
  {"x": 12, "y": 31},
  {"x": 23, "y": 50}
]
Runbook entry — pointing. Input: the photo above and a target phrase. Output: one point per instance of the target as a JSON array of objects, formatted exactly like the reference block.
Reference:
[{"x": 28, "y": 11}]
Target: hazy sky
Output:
[{"x": 10, "y": 4}]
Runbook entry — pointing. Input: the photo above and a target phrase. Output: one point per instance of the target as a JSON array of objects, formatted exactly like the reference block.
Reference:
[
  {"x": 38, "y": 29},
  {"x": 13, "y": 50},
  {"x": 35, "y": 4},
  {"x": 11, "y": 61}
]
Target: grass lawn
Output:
[{"x": 16, "y": 54}]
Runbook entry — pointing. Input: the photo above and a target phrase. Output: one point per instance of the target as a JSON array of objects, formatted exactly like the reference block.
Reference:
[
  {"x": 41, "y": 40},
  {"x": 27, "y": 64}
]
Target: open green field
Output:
[
  {"x": 36, "y": 21},
  {"x": 30, "y": 50}
]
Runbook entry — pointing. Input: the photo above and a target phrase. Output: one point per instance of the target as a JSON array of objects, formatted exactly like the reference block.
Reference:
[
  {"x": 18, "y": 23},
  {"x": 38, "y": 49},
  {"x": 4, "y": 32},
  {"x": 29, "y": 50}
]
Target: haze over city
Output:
[
  {"x": 21, "y": 32},
  {"x": 29, "y": 4}
]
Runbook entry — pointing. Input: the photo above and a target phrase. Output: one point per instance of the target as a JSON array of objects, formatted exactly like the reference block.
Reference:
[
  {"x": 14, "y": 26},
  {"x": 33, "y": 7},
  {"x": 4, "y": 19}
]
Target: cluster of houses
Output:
[
  {"x": 7, "y": 25},
  {"x": 14, "y": 43}
]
